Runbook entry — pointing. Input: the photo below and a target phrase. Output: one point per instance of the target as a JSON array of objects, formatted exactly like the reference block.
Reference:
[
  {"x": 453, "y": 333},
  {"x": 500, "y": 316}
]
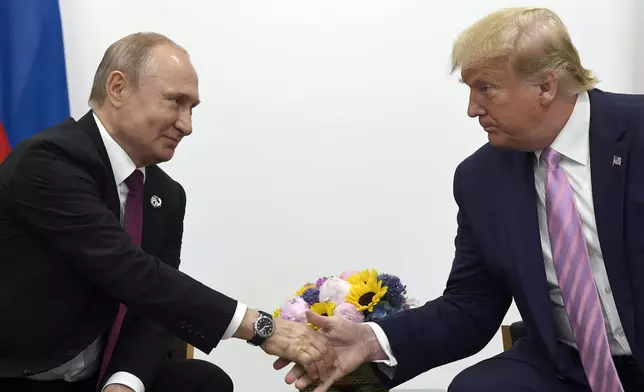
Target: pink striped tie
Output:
[
  {"x": 133, "y": 222},
  {"x": 576, "y": 280}
]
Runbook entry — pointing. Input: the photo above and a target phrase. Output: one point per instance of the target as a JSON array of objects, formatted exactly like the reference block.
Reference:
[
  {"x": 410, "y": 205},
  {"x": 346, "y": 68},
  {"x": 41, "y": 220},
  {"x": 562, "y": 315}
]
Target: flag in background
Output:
[{"x": 33, "y": 80}]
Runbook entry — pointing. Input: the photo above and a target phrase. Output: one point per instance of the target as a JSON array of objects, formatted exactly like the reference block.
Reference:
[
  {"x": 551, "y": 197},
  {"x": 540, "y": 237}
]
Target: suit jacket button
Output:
[{"x": 26, "y": 372}]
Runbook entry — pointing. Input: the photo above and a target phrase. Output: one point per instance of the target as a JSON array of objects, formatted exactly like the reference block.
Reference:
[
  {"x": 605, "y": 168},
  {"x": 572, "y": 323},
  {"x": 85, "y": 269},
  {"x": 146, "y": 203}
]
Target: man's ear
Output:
[
  {"x": 548, "y": 89},
  {"x": 117, "y": 87}
]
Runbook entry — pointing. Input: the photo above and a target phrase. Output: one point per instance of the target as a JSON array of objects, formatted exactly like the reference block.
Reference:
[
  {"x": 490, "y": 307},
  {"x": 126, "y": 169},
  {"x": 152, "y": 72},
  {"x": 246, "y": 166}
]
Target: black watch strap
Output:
[{"x": 258, "y": 340}]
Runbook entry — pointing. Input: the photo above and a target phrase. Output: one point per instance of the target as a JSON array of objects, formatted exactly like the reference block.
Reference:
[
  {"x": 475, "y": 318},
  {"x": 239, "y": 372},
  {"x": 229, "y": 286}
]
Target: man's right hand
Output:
[
  {"x": 303, "y": 345},
  {"x": 295, "y": 342},
  {"x": 353, "y": 344}
]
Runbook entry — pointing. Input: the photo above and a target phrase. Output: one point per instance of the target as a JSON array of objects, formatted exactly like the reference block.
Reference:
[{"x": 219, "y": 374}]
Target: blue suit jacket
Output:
[{"x": 498, "y": 252}]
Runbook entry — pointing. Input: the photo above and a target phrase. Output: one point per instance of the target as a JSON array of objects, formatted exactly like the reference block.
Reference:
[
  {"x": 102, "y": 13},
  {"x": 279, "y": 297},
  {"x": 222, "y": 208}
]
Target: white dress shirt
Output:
[
  {"x": 573, "y": 143},
  {"x": 88, "y": 362}
]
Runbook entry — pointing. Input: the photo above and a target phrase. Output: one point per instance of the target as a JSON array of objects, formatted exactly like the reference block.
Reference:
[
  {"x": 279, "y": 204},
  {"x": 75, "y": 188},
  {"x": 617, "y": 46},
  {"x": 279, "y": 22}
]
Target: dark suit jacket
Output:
[
  {"x": 66, "y": 262},
  {"x": 498, "y": 251}
]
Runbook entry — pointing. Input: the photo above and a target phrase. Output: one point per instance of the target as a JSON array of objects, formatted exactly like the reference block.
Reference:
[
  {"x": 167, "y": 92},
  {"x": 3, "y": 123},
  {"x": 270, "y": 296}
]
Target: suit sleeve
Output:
[
  {"x": 143, "y": 344},
  {"x": 456, "y": 325},
  {"x": 57, "y": 199}
]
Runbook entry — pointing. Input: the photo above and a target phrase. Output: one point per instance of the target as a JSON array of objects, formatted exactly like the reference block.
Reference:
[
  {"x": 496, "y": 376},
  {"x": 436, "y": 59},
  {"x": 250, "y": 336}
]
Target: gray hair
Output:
[{"x": 131, "y": 55}]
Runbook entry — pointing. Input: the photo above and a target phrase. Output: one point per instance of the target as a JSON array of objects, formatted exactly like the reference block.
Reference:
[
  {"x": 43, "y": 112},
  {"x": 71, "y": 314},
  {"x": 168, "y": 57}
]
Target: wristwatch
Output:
[{"x": 264, "y": 327}]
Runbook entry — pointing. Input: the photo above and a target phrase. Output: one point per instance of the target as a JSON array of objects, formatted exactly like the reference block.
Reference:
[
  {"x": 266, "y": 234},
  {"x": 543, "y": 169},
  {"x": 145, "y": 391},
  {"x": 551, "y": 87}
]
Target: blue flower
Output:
[
  {"x": 311, "y": 296},
  {"x": 380, "y": 311},
  {"x": 395, "y": 290}
]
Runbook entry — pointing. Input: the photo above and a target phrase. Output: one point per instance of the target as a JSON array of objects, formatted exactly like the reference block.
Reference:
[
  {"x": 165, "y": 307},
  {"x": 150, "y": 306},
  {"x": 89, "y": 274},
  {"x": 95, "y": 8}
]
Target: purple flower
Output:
[
  {"x": 311, "y": 296},
  {"x": 320, "y": 282},
  {"x": 395, "y": 290}
]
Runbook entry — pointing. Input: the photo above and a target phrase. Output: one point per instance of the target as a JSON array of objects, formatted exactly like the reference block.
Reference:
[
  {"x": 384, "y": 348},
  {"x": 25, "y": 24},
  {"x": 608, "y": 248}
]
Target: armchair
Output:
[
  {"x": 511, "y": 333},
  {"x": 180, "y": 349}
]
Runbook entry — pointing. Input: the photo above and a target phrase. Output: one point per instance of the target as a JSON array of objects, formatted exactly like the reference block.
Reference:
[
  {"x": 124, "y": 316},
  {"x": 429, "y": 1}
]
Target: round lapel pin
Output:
[{"x": 155, "y": 201}]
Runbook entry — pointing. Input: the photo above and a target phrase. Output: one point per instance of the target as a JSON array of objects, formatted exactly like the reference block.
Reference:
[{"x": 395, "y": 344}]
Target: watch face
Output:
[{"x": 264, "y": 327}]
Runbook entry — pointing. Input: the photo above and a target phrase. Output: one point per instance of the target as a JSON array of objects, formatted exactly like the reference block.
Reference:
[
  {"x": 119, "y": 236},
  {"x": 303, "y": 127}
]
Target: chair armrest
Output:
[
  {"x": 180, "y": 350},
  {"x": 511, "y": 333},
  {"x": 517, "y": 331}
]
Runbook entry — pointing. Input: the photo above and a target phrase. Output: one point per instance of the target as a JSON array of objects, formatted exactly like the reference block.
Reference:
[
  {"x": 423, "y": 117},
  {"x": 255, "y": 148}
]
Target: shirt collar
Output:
[
  {"x": 572, "y": 142},
  {"x": 122, "y": 164}
]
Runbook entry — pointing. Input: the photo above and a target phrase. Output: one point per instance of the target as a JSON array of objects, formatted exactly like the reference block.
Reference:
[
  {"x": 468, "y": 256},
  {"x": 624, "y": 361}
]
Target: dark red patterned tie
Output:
[{"x": 133, "y": 222}]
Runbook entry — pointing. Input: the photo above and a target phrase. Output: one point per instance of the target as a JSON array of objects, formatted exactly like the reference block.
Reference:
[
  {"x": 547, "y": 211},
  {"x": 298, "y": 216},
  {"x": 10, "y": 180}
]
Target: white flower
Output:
[
  {"x": 412, "y": 303},
  {"x": 335, "y": 290}
]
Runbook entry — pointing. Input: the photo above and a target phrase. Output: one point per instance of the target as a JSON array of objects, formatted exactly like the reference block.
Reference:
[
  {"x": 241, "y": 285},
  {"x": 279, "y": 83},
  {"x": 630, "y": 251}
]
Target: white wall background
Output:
[{"x": 327, "y": 138}]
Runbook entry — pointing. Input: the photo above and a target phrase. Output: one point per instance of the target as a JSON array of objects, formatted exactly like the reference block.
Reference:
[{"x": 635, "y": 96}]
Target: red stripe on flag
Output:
[{"x": 4, "y": 144}]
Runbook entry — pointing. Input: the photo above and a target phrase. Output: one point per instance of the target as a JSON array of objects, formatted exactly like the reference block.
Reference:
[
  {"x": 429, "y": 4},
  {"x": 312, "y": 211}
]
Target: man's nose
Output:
[
  {"x": 184, "y": 123},
  {"x": 474, "y": 109}
]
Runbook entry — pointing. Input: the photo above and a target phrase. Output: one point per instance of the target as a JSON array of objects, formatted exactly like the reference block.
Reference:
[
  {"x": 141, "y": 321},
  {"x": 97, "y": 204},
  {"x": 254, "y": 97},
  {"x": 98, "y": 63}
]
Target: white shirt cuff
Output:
[
  {"x": 127, "y": 379},
  {"x": 384, "y": 344},
  {"x": 236, "y": 321}
]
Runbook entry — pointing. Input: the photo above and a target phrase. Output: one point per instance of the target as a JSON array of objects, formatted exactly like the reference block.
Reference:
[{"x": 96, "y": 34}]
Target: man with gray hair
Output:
[
  {"x": 91, "y": 231},
  {"x": 550, "y": 215}
]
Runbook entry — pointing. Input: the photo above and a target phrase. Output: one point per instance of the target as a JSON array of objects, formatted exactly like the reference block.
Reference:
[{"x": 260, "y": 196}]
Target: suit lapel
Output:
[
  {"x": 608, "y": 186},
  {"x": 520, "y": 208},
  {"x": 111, "y": 197},
  {"x": 152, "y": 216}
]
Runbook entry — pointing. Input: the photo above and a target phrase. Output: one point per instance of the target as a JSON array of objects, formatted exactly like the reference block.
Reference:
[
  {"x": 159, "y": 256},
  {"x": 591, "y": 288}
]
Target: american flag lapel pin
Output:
[{"x": 617, "y": 161}]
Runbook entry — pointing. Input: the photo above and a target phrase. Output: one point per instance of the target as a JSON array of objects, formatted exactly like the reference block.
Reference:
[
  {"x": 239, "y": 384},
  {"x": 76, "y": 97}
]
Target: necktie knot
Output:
[
  {"x": 551, "y": 158},
  {"x": 135, "y": 183}
]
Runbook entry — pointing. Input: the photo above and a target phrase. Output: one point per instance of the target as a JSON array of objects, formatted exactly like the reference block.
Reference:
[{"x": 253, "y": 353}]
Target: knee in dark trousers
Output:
[
  {"x": 469, "y": 380},
  {"x": 213, "y": 375},
  {"x": 509, "y": 375},
  {"x": 191, "y": 375}
]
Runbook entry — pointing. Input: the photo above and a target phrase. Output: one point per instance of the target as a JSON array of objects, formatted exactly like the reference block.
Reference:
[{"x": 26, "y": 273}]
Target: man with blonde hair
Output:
[
  {"x": 551, "y": 214},
  {"x": 91, "y": 231}
]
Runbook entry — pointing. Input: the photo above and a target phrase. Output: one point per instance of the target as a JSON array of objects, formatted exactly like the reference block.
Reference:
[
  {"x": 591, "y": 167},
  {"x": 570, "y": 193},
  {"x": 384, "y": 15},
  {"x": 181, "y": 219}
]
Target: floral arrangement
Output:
[{"x": 357, "y": 296}]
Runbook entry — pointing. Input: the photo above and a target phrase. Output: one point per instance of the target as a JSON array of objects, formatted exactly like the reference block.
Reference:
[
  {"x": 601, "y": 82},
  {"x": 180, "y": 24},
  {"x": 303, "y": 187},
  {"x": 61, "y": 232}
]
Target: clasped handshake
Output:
[{"x": 323, "y": 351}]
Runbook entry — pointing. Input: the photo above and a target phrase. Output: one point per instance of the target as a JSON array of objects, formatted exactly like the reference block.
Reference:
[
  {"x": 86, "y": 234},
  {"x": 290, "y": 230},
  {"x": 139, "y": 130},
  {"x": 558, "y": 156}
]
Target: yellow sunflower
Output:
[
  {"x": 322, "y": 308},
  {"x": 366, "y": 295},
  {"x": 362, "y": 276},
  {"x": 301, "y": 291}
]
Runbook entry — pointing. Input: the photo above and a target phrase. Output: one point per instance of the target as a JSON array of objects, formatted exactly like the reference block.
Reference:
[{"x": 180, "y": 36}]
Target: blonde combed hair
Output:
[
  {"x": 131, "y": 55},
  {"x": 534, "y": 40}
]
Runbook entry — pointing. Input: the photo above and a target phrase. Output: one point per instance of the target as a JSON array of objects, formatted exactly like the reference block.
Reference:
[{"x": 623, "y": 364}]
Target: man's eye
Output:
[{"x": 485, "y": 89}]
